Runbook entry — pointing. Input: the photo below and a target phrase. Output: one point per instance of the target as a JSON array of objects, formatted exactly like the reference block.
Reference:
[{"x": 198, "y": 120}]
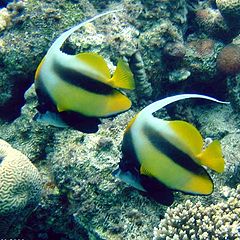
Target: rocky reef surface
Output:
[{"x": 172, "y": 47}]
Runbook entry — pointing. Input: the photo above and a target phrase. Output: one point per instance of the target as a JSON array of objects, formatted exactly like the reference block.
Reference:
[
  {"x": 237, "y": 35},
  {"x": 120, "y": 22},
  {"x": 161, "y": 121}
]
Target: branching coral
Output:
[
  {"x": 4, "y": 19},
  {"x": 6, "y": 14},
  {"x": 195, "y": 221},
  {"x": 20, "y": 189}
]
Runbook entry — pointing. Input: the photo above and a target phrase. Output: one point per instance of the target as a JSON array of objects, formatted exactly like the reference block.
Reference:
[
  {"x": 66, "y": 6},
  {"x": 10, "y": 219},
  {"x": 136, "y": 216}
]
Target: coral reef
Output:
[
  {"x": 173, "y": 46},
  {"x": 84, "y": 200},
  {"x": 143, "y": 86},
  {"x": 218, "y": 19},
  {"x": 20, "y": 190},
  {"x": 4, "y": 19},
  {"x": 79, "y": 190},
  {"x": 27, "y": 135},
  {"x": 174, "y": 51},
  {"x": 198, "y": 64},
  {"x": 228, "y": 59},
  {"x": 230, "y": 9},
  {"x": 127, "y": 31},
  {"x": 7, "y": 14},
  {"x": 201, "y": 57},
  {"x": 82, "y": 169},
  {"x": 195, "y": 221},
  {"x": 233, "y": 84},
  {"x": 228, "y": 63},
  {"x": 211, "y": 22},
  {"x": 231, "y": 142},
  {"x": 20, "y": 46},
  {"x": 159, "y": 32}
]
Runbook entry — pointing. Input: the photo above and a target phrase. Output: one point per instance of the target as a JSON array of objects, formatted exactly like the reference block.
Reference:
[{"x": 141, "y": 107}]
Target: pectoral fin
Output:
[
  {"x": 144, "y": 171},
  {"x": 50, "y": 118},
  {"x": 129, "y": 178},
  {"x": 212, "y": 157}
]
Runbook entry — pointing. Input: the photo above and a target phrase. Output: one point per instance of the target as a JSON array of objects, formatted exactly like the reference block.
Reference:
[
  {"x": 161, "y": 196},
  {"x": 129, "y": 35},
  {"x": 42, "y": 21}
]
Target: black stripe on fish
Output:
[
  {"x": 45, "y": 102},
  {"x": 176, "y": 155},
  {"x": 129, "y": 161},
  {"x": 80, "y": 80},
  {"x": 157, "y": 190}
]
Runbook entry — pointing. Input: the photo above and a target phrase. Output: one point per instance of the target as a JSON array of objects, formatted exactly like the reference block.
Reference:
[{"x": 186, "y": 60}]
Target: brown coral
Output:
[
  {"x": 228, "y": 60},
  {"x": 211, "y": 22},
  {"x": 203, "y": 47}
]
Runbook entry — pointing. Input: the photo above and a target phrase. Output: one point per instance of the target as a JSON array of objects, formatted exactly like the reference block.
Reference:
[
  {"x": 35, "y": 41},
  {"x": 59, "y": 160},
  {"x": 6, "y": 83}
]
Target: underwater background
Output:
[{"x": 60, "y": 180}]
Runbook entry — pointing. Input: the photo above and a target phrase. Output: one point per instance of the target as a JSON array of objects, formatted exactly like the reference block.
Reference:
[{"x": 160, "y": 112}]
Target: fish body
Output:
[
  {"x": 81, "y": 83},
  {"x": 168, "y": 155}
]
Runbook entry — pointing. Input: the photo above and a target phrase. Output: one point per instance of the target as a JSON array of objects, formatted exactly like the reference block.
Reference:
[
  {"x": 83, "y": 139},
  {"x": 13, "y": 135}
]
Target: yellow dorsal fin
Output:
[
  {"x": 189, "y": 138},
  {"x": 212, "y": 157},
  {"x": 96, "y": 62},
  {"x": 122, "y": 77}
]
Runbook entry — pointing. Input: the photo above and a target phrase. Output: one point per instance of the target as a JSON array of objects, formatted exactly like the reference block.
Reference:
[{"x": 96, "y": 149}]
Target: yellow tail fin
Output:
[
  {"x": 212, "y": 157},
  {"x": 123, "y": 77}
]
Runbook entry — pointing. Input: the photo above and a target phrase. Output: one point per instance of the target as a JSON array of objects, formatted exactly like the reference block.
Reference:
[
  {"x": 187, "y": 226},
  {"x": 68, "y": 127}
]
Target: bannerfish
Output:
[
  {"x": 160, "y": 156},
  {"x": 76, "y": 90}
]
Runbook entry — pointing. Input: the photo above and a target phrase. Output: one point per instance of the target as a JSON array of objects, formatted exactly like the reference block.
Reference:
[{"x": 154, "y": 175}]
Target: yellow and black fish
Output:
[
  {"x": 80, "y": 85},
  {"x": 160, "y": 156}
]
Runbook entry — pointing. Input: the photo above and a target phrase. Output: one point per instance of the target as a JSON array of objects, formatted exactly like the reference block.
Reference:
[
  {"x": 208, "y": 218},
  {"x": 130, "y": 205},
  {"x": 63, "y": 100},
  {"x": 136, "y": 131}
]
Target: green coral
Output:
[{"x": 20, "y": 189}]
